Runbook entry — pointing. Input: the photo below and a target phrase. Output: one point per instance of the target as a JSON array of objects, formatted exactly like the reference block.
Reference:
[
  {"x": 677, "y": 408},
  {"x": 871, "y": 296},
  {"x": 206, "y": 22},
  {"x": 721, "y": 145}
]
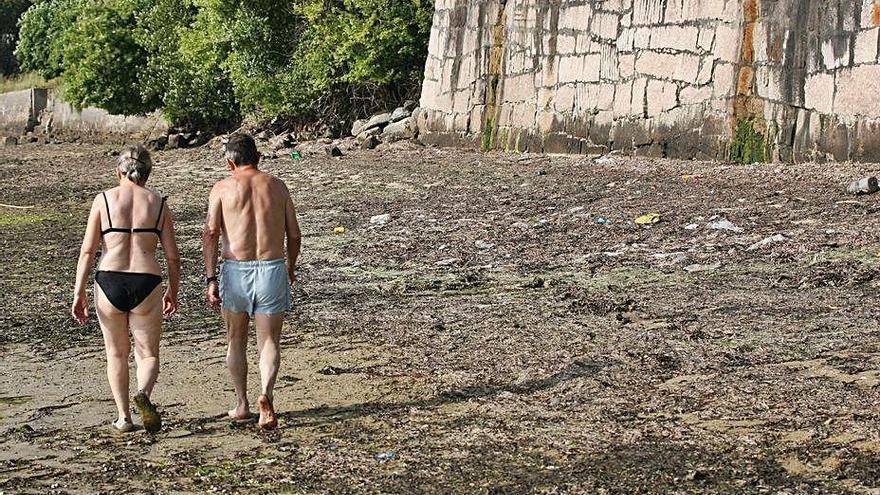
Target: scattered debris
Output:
[
  {"x": 602, "y": 221},
  {"x": 339, "y": 230},
  {"x": 483, "y": 245},
  {"x": 868, "y": 185},
  {"x": 447, "y": 262},
  {"x": 296, "y": 155},
  {"x": 723, "y": 224},
  {"x": 696, "y": 267},
  {"x": 604, "y": 160},
  {"x": 384, "y": 456},
  {"x": 648, "y": 219},
  {"x": 380, "y": 219},
  {"x": 692, "y": 226},
  {"x": 331, "y": 370},
  {"x": 774, "y": 239}
]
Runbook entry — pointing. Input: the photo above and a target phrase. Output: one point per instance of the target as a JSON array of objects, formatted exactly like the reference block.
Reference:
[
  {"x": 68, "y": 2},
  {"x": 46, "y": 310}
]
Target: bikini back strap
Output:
[
  {"x": 107, "y": 206},
  {"x": 161, "y": 209}
]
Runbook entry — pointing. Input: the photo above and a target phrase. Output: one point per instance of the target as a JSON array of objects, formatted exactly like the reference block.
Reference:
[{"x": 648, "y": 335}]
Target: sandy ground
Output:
[{"x": 494, "y": 337}]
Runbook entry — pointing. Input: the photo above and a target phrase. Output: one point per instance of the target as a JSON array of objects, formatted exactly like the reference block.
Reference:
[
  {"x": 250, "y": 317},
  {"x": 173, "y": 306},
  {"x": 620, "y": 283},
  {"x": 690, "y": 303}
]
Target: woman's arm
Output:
[
  {"x": 91, "y": 240},
  {"x": 172, "y": 257}
]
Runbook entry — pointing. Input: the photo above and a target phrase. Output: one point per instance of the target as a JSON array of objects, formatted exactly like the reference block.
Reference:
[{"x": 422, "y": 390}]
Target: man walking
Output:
[{"x": 254, "y": 212}]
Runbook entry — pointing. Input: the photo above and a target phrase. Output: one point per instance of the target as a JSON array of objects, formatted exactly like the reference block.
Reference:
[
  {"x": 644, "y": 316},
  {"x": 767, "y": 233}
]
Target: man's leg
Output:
[
  {"x": 236, "y": 359},
  {"x": 269, "y": 349}
]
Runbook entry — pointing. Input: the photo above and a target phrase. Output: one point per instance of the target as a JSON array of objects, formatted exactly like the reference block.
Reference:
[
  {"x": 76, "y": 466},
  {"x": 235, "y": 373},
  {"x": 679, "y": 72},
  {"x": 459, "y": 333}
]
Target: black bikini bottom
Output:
[{"x": 126, "y": 290}]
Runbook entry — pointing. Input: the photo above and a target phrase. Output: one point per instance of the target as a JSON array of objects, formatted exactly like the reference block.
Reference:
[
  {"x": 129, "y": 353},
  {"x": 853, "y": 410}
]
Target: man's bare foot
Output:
[
  {"x": 243, "y": 411},
  {"x": 268, "y": 420}
]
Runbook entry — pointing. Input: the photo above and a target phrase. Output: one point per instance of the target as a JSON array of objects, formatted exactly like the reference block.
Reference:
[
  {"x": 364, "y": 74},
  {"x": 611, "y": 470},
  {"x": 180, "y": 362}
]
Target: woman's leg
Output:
[
  {"x": 114, "y": 326},
  {"x": 145, "y": 322}
]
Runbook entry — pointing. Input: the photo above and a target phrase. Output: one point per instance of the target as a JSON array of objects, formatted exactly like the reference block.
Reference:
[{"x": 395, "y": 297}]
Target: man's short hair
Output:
[{"x": 242, "y": 150}]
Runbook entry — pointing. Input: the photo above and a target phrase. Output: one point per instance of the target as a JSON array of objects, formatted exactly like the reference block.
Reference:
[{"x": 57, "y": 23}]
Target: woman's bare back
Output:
[{"x": 131, "y": 207}]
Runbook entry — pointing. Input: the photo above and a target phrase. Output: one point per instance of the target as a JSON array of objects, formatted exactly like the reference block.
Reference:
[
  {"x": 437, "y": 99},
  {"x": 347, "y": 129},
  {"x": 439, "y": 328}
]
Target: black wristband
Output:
[{"x": 208, "y": 280}]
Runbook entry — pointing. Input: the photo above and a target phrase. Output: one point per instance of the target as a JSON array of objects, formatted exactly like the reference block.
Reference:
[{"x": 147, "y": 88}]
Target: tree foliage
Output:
[{"x": 207, "y": 62}]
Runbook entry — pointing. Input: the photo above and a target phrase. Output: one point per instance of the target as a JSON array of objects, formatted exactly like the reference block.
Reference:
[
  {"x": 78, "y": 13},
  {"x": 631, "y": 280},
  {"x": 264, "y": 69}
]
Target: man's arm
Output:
[
  {"x": 210, "y": 238},
  {"x": 294, "y": 237}
]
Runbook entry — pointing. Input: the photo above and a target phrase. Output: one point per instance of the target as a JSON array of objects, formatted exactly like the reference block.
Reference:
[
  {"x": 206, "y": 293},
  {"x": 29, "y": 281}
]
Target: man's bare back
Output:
[{"x": 252, "y": 209}]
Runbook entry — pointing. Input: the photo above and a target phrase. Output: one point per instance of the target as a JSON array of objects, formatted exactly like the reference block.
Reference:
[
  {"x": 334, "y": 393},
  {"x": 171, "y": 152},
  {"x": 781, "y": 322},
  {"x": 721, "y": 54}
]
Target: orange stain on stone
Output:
[{"x": 875, "y": 13}]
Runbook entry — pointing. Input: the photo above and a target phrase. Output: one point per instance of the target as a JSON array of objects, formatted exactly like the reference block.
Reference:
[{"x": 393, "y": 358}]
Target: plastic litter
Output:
[
  {"x": 296, "y": 155},
  {"x": 648, "y": 219},
  {"x": 602, "y": 221},
  {"x": 723, "y": 224},
  {"x": 339, "y": 230},
  {"x": 380, "y": 219},
  {"x": 384, "y": 456}
]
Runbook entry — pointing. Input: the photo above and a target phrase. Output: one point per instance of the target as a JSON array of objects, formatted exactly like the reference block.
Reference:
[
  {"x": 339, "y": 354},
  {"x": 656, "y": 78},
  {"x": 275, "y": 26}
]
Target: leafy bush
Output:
[
  {"x": 42, "y": 30},
  {"x": 331, "y": 59},
  {"x": 10, "y": 12},
  {"x": 184, "y": 67},
  {"x": 102, "y": 60}
]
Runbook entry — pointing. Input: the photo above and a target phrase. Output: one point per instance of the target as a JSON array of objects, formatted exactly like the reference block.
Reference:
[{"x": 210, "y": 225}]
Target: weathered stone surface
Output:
[
  {"x": 380, "y": 120},
  {"x": 357, "y": 127},
  {"x": 399, "y": 114},
  {"x": 176, "y": 141},
  {"x": 653, "y": 77},
  {"x": 396, "y": 131}
]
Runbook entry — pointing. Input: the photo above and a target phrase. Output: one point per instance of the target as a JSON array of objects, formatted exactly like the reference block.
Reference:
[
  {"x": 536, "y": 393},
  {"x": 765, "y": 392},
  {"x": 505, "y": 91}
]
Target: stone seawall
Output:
[
  {"x": 44, "y": 111},
  {"x": 785, "y": 80}
]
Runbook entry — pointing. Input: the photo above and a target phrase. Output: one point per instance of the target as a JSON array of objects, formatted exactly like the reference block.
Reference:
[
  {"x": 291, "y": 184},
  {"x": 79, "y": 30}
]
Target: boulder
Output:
[
  {"x": 282, "y": 141},
  {"x": 399, "y": 114},
  {"x": 375, "y": 131},
  {"x": 176, "y": 141},
  {"x": 357, "y": 127},
  {"x": 333, "y": 151},
  {"x": 380, "y": 120},
  {"x": 370, "y": 142},
  {"x": 404, "y": 129},
  {"x": 9, "y": 141},
  {"x": 157, "y": 143}
]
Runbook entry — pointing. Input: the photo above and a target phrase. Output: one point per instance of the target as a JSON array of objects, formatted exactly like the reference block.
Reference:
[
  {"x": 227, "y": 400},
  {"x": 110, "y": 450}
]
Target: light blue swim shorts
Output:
[{"x": 255, "y": 286}]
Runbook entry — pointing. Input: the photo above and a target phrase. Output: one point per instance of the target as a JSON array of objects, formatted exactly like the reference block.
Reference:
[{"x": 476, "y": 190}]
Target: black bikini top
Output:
[{"x": 154, "y": 230}]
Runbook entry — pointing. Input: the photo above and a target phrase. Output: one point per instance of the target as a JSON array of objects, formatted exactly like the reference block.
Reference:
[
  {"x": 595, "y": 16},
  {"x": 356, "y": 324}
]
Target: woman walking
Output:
[{"x": 128, "y": 222}]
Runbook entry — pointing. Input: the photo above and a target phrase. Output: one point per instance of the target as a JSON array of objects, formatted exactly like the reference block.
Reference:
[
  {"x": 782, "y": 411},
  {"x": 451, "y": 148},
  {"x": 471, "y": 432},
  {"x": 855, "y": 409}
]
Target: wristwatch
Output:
[{"x": 208, "y": 280}]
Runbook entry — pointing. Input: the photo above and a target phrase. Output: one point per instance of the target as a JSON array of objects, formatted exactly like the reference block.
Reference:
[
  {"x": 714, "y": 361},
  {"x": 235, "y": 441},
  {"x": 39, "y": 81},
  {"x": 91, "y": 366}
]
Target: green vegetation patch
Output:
[
  {"x": 16, "y": 218},
  {"x": 14, "y": 401},
  {"x": 748, "y": 145}
]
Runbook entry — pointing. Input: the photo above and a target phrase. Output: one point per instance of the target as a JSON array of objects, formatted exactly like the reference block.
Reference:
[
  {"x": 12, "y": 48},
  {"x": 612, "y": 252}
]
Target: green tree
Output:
[
  {"x": 42, "y": 32},
  {"x": 102, "y": 60},
  {"x": 185, "y": 64},
  {"x": 10, "y": 12}
]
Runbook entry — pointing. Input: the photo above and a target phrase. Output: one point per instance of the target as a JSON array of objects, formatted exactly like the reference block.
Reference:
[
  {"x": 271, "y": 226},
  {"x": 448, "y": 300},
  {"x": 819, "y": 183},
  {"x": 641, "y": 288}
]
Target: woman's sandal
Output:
[{"x": 148, "y": 412}]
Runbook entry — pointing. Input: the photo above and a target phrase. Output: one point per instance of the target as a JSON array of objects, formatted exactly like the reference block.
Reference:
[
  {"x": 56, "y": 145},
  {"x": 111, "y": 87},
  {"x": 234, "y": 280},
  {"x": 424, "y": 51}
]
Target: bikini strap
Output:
[
  {"x": 161, "y": 209},
  {"x": 107, "y": 205}
]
